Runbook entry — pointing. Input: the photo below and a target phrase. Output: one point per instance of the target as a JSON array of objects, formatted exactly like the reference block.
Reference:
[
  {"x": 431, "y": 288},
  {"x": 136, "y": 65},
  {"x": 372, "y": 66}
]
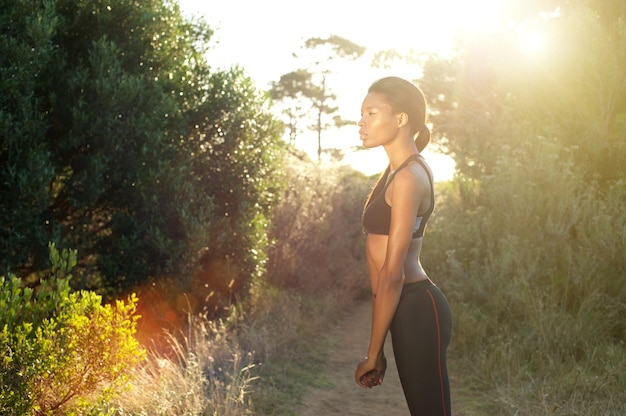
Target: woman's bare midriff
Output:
[{"x": 376, "y": 246}]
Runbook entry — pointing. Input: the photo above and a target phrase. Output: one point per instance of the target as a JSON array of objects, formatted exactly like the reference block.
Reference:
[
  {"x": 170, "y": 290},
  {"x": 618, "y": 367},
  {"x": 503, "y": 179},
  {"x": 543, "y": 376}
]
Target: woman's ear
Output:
[{"x": 403, "y": 119}]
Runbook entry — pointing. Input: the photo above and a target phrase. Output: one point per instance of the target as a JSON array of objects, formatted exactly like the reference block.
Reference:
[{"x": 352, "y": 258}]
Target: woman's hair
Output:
[{"x": 404, "y": 97}]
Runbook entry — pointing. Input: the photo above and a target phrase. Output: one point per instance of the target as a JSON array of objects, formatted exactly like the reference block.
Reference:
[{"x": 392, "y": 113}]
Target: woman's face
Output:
[{"x": 378, "y": 124}]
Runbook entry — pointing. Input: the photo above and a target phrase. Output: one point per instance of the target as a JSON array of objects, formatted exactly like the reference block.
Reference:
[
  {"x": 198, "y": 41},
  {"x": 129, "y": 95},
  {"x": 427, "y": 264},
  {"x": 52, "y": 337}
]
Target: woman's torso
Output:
[
  {"x": 376, "y": 248},
  {"x": 376, "y": 243}
]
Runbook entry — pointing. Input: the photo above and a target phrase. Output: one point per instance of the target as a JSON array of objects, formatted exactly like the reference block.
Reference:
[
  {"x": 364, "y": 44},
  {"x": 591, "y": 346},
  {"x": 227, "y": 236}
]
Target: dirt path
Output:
[{"x": 345, "y": 397}]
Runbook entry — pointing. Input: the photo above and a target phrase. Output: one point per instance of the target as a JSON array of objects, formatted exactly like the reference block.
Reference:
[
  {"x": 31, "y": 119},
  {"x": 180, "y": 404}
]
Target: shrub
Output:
[
  {"x": 318, "y": 220},
  {"x": 62, "y": 350}
]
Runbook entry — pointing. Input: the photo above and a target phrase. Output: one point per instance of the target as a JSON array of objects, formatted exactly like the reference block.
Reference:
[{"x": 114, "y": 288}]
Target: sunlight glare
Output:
[
  {"x": 533, "y": 37},
  {"x": 532, "y": 43}
]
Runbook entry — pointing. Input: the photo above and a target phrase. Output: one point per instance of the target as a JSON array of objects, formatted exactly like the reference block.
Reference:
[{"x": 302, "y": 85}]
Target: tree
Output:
[
  {"x": 120, "y": 140},
  {"x": 320, "y": 56},
  {"x": 26, "y": 161},
  {"x": 294, "y": 90}
]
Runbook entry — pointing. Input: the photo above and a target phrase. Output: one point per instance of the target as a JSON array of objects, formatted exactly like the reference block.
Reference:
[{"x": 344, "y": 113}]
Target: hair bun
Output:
[{"x": 423, "y": 137}]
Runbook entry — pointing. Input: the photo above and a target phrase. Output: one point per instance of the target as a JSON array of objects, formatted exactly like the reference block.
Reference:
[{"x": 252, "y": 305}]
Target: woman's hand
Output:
[{"x": 371, "y": 373}]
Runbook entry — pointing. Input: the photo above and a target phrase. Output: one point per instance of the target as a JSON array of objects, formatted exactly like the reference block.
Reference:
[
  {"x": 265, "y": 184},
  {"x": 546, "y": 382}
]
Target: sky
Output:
[{"x": 261, "y": 36}]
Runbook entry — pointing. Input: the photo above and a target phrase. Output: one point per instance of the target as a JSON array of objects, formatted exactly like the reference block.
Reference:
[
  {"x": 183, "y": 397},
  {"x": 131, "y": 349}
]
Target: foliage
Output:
[
  {"x": 120, "y": 140},
  {"x": 332, "y": 47},
  {"x": 534, "y": 274},
  {"x": 318, "y": 219},
  {"x": 291, "y": 346},
  {"x": 239, "y": 159},
  {"x": 26, "y": 162},
  {"x": 62, "y": 350}
]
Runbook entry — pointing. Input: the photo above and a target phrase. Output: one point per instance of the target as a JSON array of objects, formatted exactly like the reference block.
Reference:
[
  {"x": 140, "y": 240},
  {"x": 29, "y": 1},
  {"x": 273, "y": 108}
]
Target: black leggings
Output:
[{"x": 420, "y": 333}]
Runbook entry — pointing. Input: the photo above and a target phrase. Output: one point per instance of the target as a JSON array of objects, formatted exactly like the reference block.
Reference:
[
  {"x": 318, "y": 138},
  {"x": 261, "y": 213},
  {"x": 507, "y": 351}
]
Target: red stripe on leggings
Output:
[{"x": 443, "y": 398}]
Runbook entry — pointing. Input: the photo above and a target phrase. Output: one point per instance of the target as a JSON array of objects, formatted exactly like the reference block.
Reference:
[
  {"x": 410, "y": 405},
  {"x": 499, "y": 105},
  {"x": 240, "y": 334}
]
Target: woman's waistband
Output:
[{"x": 419, "y": 285}]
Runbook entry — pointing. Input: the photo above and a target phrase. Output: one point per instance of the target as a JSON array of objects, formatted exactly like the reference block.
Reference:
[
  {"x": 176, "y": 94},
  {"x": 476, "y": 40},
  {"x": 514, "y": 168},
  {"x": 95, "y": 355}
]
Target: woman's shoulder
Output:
[
  {"x": 411, "y": 180},
  {"x": 416, "y": 171}
]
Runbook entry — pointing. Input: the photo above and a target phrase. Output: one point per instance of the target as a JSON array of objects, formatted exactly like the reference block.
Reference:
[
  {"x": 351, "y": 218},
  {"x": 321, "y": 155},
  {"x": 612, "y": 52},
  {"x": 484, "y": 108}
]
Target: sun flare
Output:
[{"x": 532, "y": 43}]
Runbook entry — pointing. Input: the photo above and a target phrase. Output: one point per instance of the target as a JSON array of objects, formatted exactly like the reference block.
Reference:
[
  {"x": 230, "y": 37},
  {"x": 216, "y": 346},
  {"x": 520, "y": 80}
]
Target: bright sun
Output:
[{"x": 532, "y": 43}]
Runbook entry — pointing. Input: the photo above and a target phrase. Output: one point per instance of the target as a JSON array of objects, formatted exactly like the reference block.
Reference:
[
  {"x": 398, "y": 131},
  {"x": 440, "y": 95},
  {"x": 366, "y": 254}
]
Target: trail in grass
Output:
[{"x": 343, "y": 396}]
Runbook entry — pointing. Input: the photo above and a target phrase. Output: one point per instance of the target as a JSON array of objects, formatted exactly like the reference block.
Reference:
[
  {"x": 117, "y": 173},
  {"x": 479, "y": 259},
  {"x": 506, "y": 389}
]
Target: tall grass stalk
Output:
[{"x": 203, "y": 373}]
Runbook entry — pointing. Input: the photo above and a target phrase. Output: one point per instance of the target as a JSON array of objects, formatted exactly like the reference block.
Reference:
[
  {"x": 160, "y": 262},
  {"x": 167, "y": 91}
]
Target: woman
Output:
[{"x": 405, "y": 301}]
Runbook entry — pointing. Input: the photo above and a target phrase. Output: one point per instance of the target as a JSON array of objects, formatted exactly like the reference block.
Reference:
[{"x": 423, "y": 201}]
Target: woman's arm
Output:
[{"x": 387, "y": 284}]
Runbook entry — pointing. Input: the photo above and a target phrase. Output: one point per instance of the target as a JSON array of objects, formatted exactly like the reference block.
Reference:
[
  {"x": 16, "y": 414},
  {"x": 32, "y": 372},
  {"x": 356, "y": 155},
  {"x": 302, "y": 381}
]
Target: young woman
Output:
[{"x": 405, "y": 301}]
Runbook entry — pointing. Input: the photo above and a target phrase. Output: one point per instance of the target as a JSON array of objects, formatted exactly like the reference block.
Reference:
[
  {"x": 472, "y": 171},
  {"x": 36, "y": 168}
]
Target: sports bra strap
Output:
[{"x": 417, "y": 158}]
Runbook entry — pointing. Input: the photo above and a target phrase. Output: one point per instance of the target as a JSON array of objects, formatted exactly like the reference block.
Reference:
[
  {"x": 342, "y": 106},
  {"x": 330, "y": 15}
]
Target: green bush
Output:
[{"x": 62, "y": 351}]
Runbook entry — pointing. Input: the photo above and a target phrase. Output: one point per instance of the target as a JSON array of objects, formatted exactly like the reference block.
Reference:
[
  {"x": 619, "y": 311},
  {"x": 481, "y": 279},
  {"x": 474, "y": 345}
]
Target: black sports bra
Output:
[{"x": 376, "y": 217}]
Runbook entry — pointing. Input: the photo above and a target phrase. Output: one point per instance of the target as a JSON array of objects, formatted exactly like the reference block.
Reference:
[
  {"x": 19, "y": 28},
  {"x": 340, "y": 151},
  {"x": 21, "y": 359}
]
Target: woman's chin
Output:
[{"x": 367, "y": 145}]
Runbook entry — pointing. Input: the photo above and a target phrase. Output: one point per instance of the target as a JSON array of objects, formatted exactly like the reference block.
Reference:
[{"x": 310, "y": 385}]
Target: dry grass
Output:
[{"x": 203, "y": 373}]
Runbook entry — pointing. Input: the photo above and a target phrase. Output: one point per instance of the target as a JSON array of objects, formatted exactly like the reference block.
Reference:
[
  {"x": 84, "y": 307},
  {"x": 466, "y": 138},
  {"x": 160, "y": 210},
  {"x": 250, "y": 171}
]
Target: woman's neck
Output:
[{"x": 398, "y": 151}]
